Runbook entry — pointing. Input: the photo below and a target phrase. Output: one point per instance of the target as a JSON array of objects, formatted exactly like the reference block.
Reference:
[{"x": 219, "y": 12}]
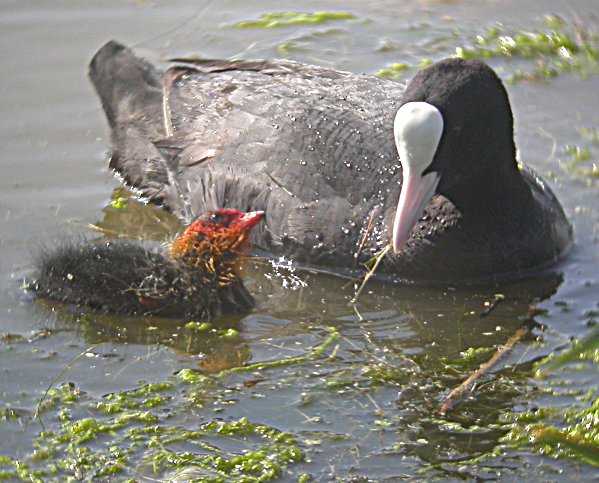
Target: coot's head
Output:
[
  {"x": 454, "y": 133},
  {"x": 220, "y": 235}
]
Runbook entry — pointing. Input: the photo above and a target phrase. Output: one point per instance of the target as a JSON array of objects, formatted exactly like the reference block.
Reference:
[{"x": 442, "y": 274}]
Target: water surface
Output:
[{"x": 348, "y": 418}]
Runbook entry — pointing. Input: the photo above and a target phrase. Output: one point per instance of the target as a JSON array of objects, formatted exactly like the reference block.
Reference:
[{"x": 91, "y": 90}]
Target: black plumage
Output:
[
  {"x": 314, "y": 148},
  {"x": 196, "y": 275}
]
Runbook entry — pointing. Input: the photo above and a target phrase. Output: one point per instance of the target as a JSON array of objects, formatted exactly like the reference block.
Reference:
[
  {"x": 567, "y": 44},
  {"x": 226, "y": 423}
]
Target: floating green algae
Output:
[
  {"x": 581, "y": 161},
  {"x": 556, "y": 46},
  {"x": 118, "y": 202},
  {"x": 285, "y": 19},
  {"x": 111, "y": 439},
  {"x": 578, "y": 433},
  {"x": 397, "y": 70},
  {"x": 147, "y": 431},
  {"x": 394, "y": 71},
  {"x": 578, "y": 439},
  {"x": 261, "y": 464},
  {"x": 312, "y": 354},
  {"x": 469, "y": 359},
  {"x": 198, "y": 326}
]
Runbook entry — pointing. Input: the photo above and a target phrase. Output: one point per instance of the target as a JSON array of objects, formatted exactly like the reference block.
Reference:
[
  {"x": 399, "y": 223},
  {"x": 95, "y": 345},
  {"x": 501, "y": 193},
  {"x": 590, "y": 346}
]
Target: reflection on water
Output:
[{"x": 456, "y": 315}]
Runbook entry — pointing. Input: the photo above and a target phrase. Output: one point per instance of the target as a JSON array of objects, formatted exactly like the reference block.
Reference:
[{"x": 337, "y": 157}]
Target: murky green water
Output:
[{"x": 364, "y": 408}]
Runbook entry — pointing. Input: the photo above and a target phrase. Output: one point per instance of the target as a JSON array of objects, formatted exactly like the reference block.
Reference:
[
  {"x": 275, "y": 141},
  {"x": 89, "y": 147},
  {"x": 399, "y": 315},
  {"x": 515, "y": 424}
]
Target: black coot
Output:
[{"x": 317, "y": 150}]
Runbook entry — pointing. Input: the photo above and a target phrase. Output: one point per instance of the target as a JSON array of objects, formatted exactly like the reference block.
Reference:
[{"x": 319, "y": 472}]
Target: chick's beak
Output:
[
  {"x": 250, "y": 219},
  {"x": 243, "y": 225}
]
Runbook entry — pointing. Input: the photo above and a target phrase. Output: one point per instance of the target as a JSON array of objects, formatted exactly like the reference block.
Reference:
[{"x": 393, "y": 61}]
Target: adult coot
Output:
[
  {"x": 194, "y": 276},
  {"x": 326, "y": 154}
]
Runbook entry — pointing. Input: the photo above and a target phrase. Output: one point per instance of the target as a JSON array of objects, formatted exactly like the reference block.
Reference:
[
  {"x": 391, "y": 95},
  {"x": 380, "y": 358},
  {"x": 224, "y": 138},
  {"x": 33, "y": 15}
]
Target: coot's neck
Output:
[{"x": 494, "y": 194}]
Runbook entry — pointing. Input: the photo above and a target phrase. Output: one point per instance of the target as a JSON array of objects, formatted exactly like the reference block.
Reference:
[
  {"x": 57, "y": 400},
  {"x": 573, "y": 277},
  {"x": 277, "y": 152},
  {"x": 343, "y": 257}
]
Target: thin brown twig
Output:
[
  {"x": 370, "y": 272},
  {"x": 365, "y": 237},
  {"x": 459, "y": 392},
  {"x": 280, "y": 185},
  {"x": 99, "y": 229}
]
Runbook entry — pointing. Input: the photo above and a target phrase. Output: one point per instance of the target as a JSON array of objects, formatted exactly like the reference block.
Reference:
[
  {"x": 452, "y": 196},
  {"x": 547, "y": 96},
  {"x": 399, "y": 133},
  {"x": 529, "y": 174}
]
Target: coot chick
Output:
[
  {"x": 194, "y": 276},
  {"x": 343, "y": 164}
]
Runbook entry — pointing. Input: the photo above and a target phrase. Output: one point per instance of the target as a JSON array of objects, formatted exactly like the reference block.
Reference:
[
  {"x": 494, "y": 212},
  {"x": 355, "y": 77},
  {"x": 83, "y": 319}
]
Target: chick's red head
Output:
[{"x": 221, "y": 233}]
